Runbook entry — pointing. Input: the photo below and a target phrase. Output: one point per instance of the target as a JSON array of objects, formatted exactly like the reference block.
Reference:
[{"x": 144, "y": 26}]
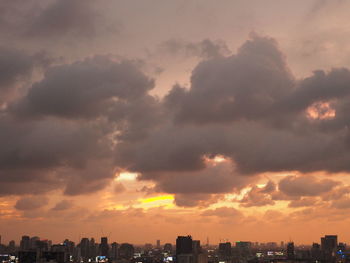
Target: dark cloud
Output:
[
  {"x": 85, "y": 89},
  {"x": 256, "y": 197},
  {"x": 246, "y": 85},
  {"x": 305, "y": 185},
  {"x": 84, "y": 120},
  {"x": 31, "y": 203},
  {"x": 16, "y": 67},
  {"x": 62, "y": 205},
  {"x": 64, "y": 17},
  {"x": 204, "y": 49}
]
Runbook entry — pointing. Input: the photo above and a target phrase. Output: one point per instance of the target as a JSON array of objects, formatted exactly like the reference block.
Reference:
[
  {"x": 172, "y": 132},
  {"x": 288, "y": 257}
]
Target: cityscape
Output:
[{"x": 185, "y": 250}]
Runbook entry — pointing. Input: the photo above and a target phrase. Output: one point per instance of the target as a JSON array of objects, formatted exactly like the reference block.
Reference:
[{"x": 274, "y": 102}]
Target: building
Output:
[
  {"x": 329, "y": 245},
  {"x": 225, "y": 252},
  {"x": 25, "y": 243},
  {"x": 168, "y": 248},
  {"x": 84, "y": 249},
  {"x": 104, "y": 247},
  {"x": 158, "y": 244},
  {"x": 126, "y": 251},
  {"x": 184, "y": 245},
  {"x": 290, "y": 251},
  {"x": 114, "y": 251}
]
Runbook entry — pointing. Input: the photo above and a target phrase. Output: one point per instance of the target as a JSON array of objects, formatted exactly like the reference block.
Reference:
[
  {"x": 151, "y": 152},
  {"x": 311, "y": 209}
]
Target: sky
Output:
[{"x": 145, "y": 120}]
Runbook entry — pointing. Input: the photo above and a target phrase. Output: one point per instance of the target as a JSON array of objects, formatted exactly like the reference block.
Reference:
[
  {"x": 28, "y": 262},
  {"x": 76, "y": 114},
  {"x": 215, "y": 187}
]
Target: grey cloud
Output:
[
  {"x": 303, "y": 202},
  {"x": 84, "y": 89},
  {"x": 195, "y": 199},
  {"x": 305, "y": 185},
  {"x": 64, "y": 17},
  {"x": 31, "y": 203},
  {"x": 204, "y": 49},
  {"x": 228, "y": 212},
  {"x": 62, "y": 205},
  {"x": 256, "y": 197},
  {"x": 16, "y": 66},
  {"x": 245, "y": 85}
]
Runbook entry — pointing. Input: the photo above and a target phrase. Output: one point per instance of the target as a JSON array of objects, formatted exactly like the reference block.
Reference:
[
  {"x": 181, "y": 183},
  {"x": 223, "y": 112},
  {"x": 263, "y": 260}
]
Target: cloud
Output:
[
  {"x": 62, "y": 205},
  {"x": 228, "y": 212},
  {"x": 84, "y": 89},
  {"x": 305, "y": 185},
  {"x": 31, "y": 203},
  {"x": 303, "y": 202},
  {"x": 246, "y": 85},
  {"x": 205, "y": 49},
  {"x": 16, "y": 67},
  {"x": 256, "y": 197},
  {"x": 64, "y": 17}
]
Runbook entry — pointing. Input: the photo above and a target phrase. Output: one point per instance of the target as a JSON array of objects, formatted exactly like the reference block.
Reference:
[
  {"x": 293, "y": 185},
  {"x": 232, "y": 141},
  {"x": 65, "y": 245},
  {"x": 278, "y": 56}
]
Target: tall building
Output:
[
  {"x": 184, "y": 245},
  {"x": 329, "y": 245},
  {"x": 316, "y": 252},
  {"x": 290, "y": 251},
  {"x": 126, "y": 251},
  {"x": 225, "y": 251},
  {"x": 114, "y": 251},
  {"x": 84, "y": 248},
  {"x": 158, "y": 243},
  {"x": 25, "y": 243},
  {"x": 104, "y": 248}
]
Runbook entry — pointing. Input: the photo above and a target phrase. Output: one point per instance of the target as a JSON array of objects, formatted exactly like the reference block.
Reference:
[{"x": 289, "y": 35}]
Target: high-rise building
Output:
[
  {"x": 104, "y": 247},
  {"x": 290, "y": 251},
  {"x": 84, "y": 248},
  {"x": 184, "y": 245},
  {"x": 25, "y": 243},
  {"x": 114, "y": 251},
  {"x": 329, "y": 245},
  {"x": 316, "y": 252},
  {"x": 33, "y": 242},
  {"x": 158, "y": 243},
  {"x": 126, "y": 251},
  {"x": 225, "y": 251}
]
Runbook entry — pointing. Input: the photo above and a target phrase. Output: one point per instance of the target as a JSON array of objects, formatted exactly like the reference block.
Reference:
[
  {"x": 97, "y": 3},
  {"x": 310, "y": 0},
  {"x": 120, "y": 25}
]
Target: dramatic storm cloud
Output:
[{"x": 126, "y": 112}]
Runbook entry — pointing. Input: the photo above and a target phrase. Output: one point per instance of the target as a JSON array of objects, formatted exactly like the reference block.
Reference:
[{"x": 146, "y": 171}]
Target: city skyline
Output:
[{"x": 143, "y": 120}]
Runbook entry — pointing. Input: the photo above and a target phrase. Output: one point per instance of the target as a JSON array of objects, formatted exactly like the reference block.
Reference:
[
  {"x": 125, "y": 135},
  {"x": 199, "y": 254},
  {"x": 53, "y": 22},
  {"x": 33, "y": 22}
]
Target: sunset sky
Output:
[{"x": 147, "y": 119}]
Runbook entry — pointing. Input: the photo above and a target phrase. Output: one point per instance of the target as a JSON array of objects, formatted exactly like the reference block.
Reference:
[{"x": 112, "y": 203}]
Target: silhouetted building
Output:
[
  {"x": 84, "y": 248},
  {"x": 290, "y": 251},
  {"x": 126, "y": 251},
  {"x": 168, "y": 248},
  {"x": 225, "y": 251},
  {"x": 316, "y": 251},
  {"x": 12, "y": 246},
  {"x": 183, "y": 245},
  {"x": 329, "y": 245},
  {"x": 104, "y": 248},
  {"x": 114, "y": 251},
  {"x": 25, "y": 243},
  {"x": 158, "y": 243},
  {"x": 27, "y": 256}
]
